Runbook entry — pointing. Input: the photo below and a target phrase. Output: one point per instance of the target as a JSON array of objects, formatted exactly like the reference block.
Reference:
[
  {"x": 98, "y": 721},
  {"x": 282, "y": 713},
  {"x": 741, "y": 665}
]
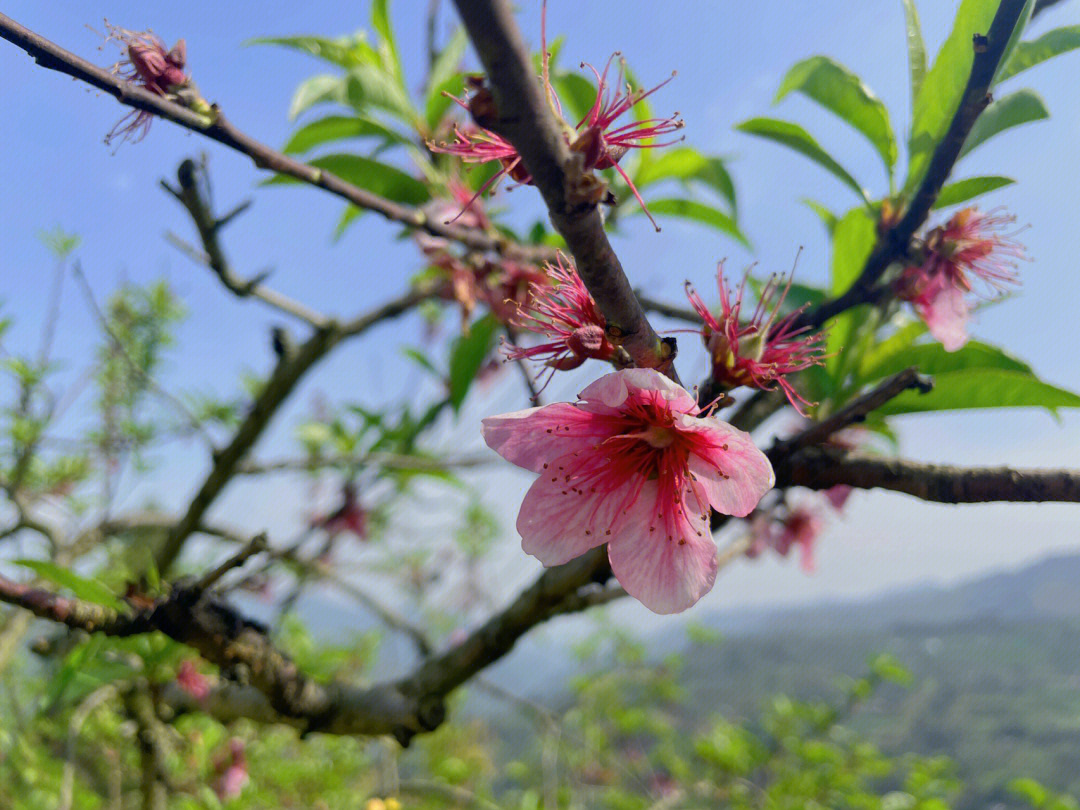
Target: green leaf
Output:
[
  {"x": 931, "y": 358},
  {"x": 1021, "y": 107},
  {"x": 88, "y": 590},
  {"x": 348, "y": 216},
  {"x": 853, "y": 241},
  {"x": 316, "y": 90},
  {"x": 467, "y": 356},
  {"x": 695, "y": 212},
  {"x": 964, "y": 190},
  {"x": 795, "y": 137},
  {"x": 915, "y": 48},
  {"x": 445, "y": 76},
  {"x": 843, "y": 93},
  {"x": 386, "y": 181},
  {"x": 797, "y": 296},
  {"x": 943, "y": 86},
  {"x": 368, "y": 86},
  {"x": 685, "y": 165},
  {"x": 336, "y": 128},
  {"x": 828, "y": 218},
  {"x": 983, "y": 388},
  {"x": 380, "y": 21},
  {"x": 576, "y": 92},
  {"x": 1028, "y": 54},
  {"x": 346, "y": 52}
]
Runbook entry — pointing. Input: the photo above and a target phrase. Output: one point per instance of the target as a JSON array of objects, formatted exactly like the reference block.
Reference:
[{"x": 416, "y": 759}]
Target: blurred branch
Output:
[
  {"x": 218, "y": 128},
  {"x": 209, "y": 227},
  {"x": 895, "y": 242},
  {"x": 1041, "y": 6},
  {"x": 523, "y": 117},
  {"x": 390, "y": 461},
  {"x": 821, "y": 468}
]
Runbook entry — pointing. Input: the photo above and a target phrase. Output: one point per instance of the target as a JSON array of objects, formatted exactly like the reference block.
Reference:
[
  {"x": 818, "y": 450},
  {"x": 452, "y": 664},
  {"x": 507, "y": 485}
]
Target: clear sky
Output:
[{"x": 730, "y": 57}]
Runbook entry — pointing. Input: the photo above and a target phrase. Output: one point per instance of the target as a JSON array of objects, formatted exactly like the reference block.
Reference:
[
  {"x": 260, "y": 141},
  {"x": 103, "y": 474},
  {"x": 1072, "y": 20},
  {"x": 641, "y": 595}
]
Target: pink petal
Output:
[
  {"x": 537, "y": 436},
  {"x": 667, "y": 576},
  {"x": 734, "y": 479},
  {"x": 612, "y": 390},
  {"x": 945, "y": 311},
  {"x": 557, "y": 523}
]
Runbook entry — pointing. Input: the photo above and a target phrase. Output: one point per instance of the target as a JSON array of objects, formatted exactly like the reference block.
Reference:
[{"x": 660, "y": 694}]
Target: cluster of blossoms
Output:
[
  {"x": 232, "y": 771},
  {"x": 596, "y": 138},
  {"x": 559, "y": 307},
  {"x": 151, "y": 66},
  {"x": 969, "y": 247},
  {"x": 192, "y": 681},
  {"x": 635, "y": 464},
  {"x": 759, "y": 352}
]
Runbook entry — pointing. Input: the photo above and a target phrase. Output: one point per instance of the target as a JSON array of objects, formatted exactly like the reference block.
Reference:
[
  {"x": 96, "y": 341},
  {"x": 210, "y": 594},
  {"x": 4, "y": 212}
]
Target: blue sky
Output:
[{"x": 730, "y": 58}]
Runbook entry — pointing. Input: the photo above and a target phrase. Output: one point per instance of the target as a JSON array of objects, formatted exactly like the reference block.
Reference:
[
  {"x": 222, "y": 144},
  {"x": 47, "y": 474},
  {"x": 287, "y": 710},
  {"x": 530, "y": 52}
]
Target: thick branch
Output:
[
  {"x": 524, "y": 119},
  {"x": 822, "y": 468},
  {"x": 52, "y": 56},
  {"x": 895, "y": 243}
]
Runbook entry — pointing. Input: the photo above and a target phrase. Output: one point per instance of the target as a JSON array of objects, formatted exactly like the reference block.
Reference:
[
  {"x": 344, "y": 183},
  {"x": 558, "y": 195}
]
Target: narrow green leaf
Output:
[
  {"x": 88, "y": 590},
  {"x": 695, "y": 212},
  {"x": 368, "y": 86},
  {"x": 915, "y": 48},
  {"x": 828, "y": 218},
  {"x": 852, "y": 242},
  {"x": 943, "y": 86},
  {"x": 795, "y": 137},
  {"x": 316, "y": 90},
  {"x": 969, "y": 188},
  {"x": 1021, "y": 107},
  {"x": 983, "y": 388},
  {"x": 686, "y": 164},
  {"x": 336, "y": 128},
  {"x": 1028, "y": 54},
  {"x": 348, "y": 216},
  {"x": 445, "y": 76},
  {"x": 379, "y": 178},
  {"x": 931, "y": 358},
  {"x": 468, "y": 355},
  {"x": 380, "y": 21},
  {"x": 346, "y": 52},
  {"x": 843, "y": 93},
  {"x": 574, "y": 91}
]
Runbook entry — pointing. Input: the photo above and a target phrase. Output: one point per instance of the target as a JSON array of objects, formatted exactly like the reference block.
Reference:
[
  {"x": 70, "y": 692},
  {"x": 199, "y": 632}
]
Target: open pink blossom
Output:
[
  {"x": 760, "y": 352},
  {"x": 560, "y": 308},
  {"x": 970, "y": 247},
  {"x": 801, "y": 528},
  {"x": 638, "y": 465}
]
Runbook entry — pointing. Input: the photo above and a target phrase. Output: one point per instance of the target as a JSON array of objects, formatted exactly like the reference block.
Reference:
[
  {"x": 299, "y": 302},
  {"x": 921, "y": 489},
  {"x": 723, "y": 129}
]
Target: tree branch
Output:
[
  {"x": 218, "y": 128},
  {"x": 821, "y": 468},
  {"x": 895, "y": 243},
  {"x": 524, "y": 119}
]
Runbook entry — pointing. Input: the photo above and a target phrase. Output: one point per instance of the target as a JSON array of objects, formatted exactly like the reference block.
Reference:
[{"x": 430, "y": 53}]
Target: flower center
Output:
[{"x": 658, "y": 436}]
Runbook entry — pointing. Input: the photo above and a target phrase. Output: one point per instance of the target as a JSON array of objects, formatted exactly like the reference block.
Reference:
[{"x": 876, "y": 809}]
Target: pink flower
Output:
[
  {"x": 465, "y": 208},
  {"x": 838, "y": 495},
  {"x": 233, "y": 772},
  {"x": 149, "y": 65},
  {"x": 562, "y": 309},
  {"x": 508, "y": 287},
  {"x": 350, "y": 516},
  {"x": 761, "y": 352},
  {"x": 802, "y": 527},
  {"x": 595, "y": 137},
  {"x": 635, "y": 464},
  {"x": 970, "y": 246},
  {"x": 192, "y": 681}
]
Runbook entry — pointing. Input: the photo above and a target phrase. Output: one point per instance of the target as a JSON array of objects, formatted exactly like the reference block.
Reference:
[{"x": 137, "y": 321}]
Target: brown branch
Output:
[
  {"x": 214, "y": 257},
  {"x": 855, "y": 411},
  {"x": 821, "y": 468},
  {"x": 292, "y": 365},
  {"x": 895, "y": 243},
  {"x": 256, "y": 545},
  {"x": 524, "y": 119},
  {"x": 218, "y": 128}
]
